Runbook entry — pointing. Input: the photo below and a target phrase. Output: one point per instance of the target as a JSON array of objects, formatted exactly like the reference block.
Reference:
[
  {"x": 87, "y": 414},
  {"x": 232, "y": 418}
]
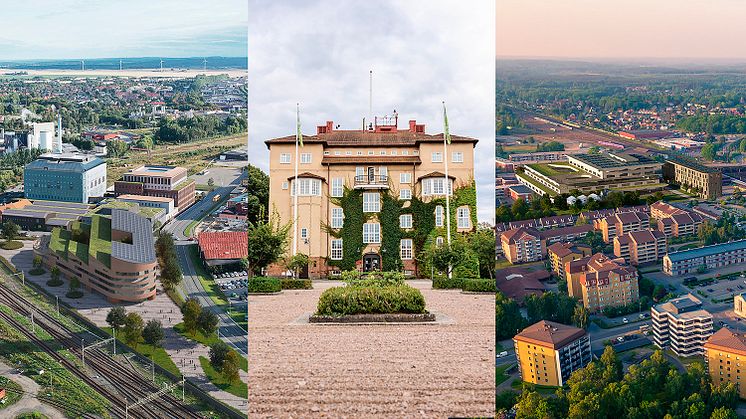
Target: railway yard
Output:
[{"x": 127, "y": 386}]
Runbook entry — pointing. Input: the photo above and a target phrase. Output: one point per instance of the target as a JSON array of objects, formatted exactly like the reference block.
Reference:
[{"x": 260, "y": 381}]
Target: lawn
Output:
[
  {"x": 500, "y": 375},
  {"x": 237, "y": 388},
  {"x": 538, "y": 185},
  {"x": 552, "y": 169}
]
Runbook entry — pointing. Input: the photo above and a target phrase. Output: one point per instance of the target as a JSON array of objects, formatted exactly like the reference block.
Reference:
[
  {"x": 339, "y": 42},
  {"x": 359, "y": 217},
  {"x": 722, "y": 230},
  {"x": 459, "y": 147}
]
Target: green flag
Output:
[
  {"x": 298, "y": 135},
  {"x": 445, "y": 123}
]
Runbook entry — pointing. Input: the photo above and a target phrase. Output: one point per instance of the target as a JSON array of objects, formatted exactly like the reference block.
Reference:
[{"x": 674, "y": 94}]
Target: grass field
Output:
[
  {"x": 500, "y": 375},
  {"x": 12, "y": 394},
  {"x": 237, "y": 388},
  {"x": 158, "y": 355},
  {"x": 194, "y": 155}
]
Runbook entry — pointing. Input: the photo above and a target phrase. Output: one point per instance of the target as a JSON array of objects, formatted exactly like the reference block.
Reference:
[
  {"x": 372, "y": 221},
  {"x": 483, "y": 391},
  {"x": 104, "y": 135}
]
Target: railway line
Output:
[{"x": 123, "y": 385}]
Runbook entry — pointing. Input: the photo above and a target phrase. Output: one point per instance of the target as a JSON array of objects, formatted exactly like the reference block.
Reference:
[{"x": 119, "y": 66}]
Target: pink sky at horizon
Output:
[{"x": 668, "y": 29}]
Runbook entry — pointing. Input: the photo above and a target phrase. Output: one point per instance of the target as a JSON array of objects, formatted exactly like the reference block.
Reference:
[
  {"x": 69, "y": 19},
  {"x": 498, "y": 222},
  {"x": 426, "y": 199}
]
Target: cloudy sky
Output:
[
  {"x": 319, "y": 53},
  {"x": 60, "y": 29},
  {"x": 700, "y": 29}
]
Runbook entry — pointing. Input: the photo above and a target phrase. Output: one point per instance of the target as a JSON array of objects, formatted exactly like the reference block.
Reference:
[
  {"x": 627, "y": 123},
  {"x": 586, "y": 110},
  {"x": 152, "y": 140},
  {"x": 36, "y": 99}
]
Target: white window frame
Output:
[
  {"x": 285, "y": 185},
  {"x": 406, "y": 251},
  {"x": 285, "y": 158},
  {"x": 370, "y": 204},
  {"x": 306, "y": 158},
  {"x": 336, "y": 249},
  {"x": 360, "y": 171},
  {"x": 457, "y": 157},
  {"x": 337, "y": 187},
  {"x": 405, "y": 194},
  {"x": 439, "y": 213},
  {"x": 371, "y": 233},
  {"x": 405, "y": 177},
  {"x": 428, "y": 186},
  {"x": 439, "y": 241},
  {"x": 307, "y": 187},
  {"x": 405, "y": 221},
  {"x": 436, "y": 157},
  {"x": 303, "y": 233},
  {"x": 337, "y": 217},
  {"x": 405, "y": 152},
  {"x": 463, "y": 217}
]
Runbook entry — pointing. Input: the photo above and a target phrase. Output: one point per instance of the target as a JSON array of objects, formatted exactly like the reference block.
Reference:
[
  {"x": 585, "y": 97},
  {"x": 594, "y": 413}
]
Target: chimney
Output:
[
  {"x": 414, "y": 127},
  {"x": 412, "y": 124},
  {"x": 325, "y": 129}
]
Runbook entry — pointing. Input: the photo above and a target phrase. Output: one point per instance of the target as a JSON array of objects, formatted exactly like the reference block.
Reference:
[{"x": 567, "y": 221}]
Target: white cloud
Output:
[{"x": 421, "y": 52}]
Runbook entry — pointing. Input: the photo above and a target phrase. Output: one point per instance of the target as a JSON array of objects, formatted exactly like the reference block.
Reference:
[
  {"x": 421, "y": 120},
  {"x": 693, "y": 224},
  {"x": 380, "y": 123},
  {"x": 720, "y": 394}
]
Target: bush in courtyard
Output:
[
  {"x": 479, "y": 285},
  {"x": 296, "y": 284},
  {"x": 370, "y": 300},
  {"x": 447, "y": 283},
  {"x": 261, "y": 285},
  {"x": 375, "y": 279},
  {"x": 348, "y": 276}
]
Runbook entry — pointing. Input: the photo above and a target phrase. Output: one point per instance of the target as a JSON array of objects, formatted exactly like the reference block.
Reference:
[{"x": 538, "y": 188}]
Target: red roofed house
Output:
[
  {"x": 522, "y": 244},
  {"x": 673, "y": 221},
  {"x": 222, "y": 248},
  {"x": 602, "y": 282}
]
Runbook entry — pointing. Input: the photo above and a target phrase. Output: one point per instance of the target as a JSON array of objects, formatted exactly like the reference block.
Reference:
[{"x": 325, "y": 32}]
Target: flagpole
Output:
[
  {"x": 295, "y": 182},
  {"x": 446, "y": 136}
]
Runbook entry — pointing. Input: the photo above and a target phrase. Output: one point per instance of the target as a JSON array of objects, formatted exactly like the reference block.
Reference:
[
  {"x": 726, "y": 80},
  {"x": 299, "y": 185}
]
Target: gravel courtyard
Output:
[{"x": 348, "y": 371}]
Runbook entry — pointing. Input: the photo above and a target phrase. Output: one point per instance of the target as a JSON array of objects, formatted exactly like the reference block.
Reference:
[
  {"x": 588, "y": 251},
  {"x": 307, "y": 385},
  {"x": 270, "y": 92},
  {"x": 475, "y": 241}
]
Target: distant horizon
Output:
[{"x": 657, "y": 60}]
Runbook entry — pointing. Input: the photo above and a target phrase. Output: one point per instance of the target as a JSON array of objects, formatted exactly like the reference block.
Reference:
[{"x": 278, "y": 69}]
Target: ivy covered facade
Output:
[{"x": 372, "y": 199}]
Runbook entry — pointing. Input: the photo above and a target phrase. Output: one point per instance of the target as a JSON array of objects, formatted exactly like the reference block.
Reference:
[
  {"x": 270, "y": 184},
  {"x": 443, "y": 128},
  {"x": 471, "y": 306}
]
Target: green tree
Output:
[
  {"x": 218, "y": 352},
  {"x": 296, "y": 263},
  {"x": 508, "y": 318},
  {"x": 580, "y": 317},
  {"x": 132, "y": 330},
  {"x": 532, "y": 406},
  {"x": 267, "y": 243},
  {"x": 10, "y": 231},
  {"x": 231, "y": 365},
  {"x": 153, "y": 334},
  {"x": 37, "y": 262},
  {"x": 257, "y": 185},
  {"x": 611, "y": 365},
  {"x": 723, "y": 413},
  {"x": 207, "y": 322},
  {"x": 482, "y": 243},
  {"x": 190, "y": 312},
  {"x": 116, "y": 317}
]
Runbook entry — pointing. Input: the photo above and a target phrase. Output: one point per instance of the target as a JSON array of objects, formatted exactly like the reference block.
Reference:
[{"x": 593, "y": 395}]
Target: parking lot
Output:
[{"x": 233, "y": 285}]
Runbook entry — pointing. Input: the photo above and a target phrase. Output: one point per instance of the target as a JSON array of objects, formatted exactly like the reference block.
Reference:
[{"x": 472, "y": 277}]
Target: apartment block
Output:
[
  {"x": 674, "y": 221},
  {"x": 640, "y": 247},
  {"x": 687, "y": 172},
  {"x": 682, "y": 325},
  {"x": 711, "y": 257},
  {"x": 562, "y": 252},
  {"x": 725, "y": 356},
  {"x": 622, "y": 223},
  {"x": 548, "y": 352},
  {"x": 159, "y": 181},
  {"x": 522, "y": 245},
  {"x": 602, "y": 282}
]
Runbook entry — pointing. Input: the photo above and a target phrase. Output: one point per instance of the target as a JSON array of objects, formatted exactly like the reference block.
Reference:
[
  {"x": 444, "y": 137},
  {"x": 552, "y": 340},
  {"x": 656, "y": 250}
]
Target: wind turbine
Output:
[
  {"x": 82, "y": 64},
  {"x": 120, "y": 65},
  {"x": 161, "y": 65},
  {"x": 204, "y": 64}
]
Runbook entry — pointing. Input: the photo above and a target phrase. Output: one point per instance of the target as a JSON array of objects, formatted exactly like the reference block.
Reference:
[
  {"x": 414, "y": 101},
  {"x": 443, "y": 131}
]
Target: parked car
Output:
[
  {"x": 502, "y": 354},
  {"x": 624, "y": 320}
]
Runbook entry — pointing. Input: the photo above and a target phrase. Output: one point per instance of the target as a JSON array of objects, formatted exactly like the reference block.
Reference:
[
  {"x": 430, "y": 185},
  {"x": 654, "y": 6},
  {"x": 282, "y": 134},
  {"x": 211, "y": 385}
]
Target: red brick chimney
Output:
[
  {"x": 325, "y": 129},
  {"x": 414, "y": 127}
]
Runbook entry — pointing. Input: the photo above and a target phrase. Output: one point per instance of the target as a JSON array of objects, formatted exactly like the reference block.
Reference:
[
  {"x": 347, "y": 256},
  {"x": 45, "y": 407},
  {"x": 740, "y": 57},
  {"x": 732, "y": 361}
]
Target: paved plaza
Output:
[{"x": 404, "y": 370}]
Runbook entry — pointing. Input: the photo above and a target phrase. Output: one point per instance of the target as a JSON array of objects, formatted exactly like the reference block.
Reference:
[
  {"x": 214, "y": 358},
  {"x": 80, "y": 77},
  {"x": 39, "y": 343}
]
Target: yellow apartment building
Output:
[{"x": 725, "y": 355}]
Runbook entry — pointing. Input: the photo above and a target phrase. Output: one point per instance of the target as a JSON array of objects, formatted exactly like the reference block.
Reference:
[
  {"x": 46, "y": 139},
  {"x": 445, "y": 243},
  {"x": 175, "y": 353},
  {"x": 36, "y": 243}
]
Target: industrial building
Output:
[
  {"x": 67, "y": 177},
  {"x": 549, "y": 352}
]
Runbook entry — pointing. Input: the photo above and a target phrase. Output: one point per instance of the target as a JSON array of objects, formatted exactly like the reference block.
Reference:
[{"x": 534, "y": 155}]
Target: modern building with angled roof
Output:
[
  {"x": 686, "y": 171},
  {"x": 711, "y": 257},
  {"x": 113, "y": 255},
  {"x": 549, "y": 352},
  {"x": 158, "y": 181},
  {"x": 67, "y": 177},
  {"x": 347, "y": 179},
  {"x": 725, "y": 356}
]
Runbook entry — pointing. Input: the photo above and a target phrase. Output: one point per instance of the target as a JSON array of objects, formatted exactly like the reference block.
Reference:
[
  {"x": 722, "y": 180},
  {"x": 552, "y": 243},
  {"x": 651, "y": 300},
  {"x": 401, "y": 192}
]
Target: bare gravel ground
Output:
[{"x": 351, "y": 371}]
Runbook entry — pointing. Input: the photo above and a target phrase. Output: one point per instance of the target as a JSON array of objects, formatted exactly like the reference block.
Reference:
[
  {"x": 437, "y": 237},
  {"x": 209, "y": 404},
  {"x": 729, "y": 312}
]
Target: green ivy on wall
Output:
[{"x": 423, "y": 229}]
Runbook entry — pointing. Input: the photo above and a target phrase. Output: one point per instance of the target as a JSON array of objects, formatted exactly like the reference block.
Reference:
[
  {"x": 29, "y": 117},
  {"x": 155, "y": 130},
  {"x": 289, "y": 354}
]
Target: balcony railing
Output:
[{"x": 371, "y": 182}]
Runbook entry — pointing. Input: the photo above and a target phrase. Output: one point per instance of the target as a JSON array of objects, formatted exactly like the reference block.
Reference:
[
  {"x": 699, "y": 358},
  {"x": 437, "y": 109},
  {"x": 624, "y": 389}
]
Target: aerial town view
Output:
[
  {"x": 620, "y": 219},
  {"x": 372, "y": 286},
  {"x": 124, "y": 211}
]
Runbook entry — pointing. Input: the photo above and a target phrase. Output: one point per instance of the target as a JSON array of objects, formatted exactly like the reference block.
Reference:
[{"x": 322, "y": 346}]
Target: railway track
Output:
[{"x": 125, "y": 385}]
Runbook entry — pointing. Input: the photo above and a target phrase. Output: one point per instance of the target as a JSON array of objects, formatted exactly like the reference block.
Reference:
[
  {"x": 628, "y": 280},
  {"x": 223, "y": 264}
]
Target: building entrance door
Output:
[{"x": 371, "y": 262}]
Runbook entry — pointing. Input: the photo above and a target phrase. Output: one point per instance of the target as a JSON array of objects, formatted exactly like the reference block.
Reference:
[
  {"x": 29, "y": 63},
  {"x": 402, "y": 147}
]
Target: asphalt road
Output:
[{"x": 230, "y": 331}]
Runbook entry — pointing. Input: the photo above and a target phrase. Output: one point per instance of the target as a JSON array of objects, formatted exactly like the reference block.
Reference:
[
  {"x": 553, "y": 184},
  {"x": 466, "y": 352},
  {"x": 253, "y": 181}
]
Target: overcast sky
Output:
[
  {"x": 421, "y": 52},
  {"x": 709, "y": 29},
  {"x": 60, "y": 29}
]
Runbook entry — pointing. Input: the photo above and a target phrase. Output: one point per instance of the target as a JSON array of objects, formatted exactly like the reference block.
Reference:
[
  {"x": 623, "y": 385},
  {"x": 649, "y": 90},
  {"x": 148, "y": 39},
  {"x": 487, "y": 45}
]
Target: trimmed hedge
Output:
[
  {"x": 37, "y": 271},
  {"x": 340, "y": 301},
  {"x": 12, "y": 245},
  {"x": 296, "y": 284},
  {"x": 262, "y": 285},
  {"x": 479, "y": 285},
  {"x": 54, "y": 282},
  {"x": 446, "y": 283}
]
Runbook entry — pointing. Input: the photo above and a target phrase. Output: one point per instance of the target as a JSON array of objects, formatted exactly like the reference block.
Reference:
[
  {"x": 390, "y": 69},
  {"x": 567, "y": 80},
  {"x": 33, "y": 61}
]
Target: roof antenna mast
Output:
[{"x": 370, "y": 100}]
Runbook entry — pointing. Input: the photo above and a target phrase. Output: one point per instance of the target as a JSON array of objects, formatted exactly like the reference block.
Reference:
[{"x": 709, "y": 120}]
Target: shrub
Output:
[
  {"x": 296, "y": 284},
  {"x": 260, "y": 285},
  {"x": 37, "y": 271},
  {"x": 479, "y": 285},
  {"x": 55, "y": 282},
  {"x": 73, "y": 294},
  {"x": 373, "y": 279},
  {"x": 447, "y": 283},
  {"x": 371, "y": 300},
  {"x": 348, "y": 276}
]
